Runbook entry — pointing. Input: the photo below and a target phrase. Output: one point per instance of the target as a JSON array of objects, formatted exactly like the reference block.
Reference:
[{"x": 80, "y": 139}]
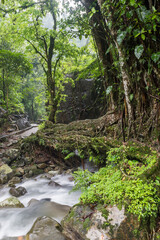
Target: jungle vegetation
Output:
[{"x": 123, "y": 51}]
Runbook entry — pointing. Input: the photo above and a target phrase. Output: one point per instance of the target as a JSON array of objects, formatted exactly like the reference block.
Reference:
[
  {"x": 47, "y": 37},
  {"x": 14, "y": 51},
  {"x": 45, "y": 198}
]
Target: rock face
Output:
[
  {"x": 104, "y": 223},
  {"x": 6, "y": 173},
  {"x": 11, "y": 202},
  {"x": 79, "y": 102},
  {"x": 46, "y": 228}
]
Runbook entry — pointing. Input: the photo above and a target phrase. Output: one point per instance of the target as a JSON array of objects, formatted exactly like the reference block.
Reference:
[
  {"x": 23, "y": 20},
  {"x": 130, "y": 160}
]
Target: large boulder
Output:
[
  {"x": 11, "y": 202},
  {"x": 22, "y": 123},
  {"x": 6, "y": 173},
  {"x": 107, "y": 223},
  {"x": 46, "y": 228}
]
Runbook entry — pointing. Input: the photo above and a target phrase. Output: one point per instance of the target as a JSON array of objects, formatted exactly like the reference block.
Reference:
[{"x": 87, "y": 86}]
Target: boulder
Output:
[
  {"x": 14, "y": 181},
  {"x": 17, "y": 192},
  {"x": 22, "y": 123},
  {"x": 11, "y": 202},
  {"x": 12, "y": 153},
  {"x": 19, "y": 172},
  {"x": 107, "y": 223},
  {"x": 6, "y": 173},
  {"x": 54, "y": 184},
  {"x": 45, "y": 228},
  {"x": 42, "y": 165}
]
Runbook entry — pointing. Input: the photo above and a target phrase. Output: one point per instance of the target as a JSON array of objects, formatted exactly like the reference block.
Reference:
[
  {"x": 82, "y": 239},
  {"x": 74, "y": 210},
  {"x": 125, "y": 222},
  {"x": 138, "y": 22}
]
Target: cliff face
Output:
[{"x": 81, "y": 102}]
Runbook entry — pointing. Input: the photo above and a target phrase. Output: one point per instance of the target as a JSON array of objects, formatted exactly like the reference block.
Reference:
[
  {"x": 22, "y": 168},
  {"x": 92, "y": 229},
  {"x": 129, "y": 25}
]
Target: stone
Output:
[
  {"x": 45, "y": 228},
  {"x": 22, "y": 123},
  {"x": 54, "y": 184},
  {"x": 101, "y": 222},
  {"x": 14, "y": 181},
  {"x": 17, "y": 192},
  {"x": 6, "y": 160},
  {"x": 11, "y": 202},
  {"x": 12, "y": 153},
  {"x": 42, "y": 165},
  {"x": 6, "y": 173},
  {"x": 54, "y": 173},
  {"x": 27, "y": 160},
  {"x": 19, "y": 172}
]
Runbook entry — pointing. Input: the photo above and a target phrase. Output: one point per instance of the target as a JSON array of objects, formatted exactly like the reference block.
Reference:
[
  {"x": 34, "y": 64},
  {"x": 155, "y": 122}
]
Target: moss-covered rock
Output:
[
  {"x": 11, "y": 202},
  {"x": 100, "y": 222},
  {"x": 45, "y": 228},
  {"x": 6, "y": 173}
]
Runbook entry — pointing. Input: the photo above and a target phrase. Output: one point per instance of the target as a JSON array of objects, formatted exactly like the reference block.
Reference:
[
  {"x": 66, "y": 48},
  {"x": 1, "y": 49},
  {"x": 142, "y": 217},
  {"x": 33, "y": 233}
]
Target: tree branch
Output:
[
  {"x": 35, "y": 49},
  {"x": 22, "y": 7}
]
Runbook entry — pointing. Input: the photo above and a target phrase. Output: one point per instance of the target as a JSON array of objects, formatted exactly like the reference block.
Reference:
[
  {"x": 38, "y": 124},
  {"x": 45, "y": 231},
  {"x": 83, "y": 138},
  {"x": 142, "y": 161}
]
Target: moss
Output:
[{"x": 86, "y": 224}]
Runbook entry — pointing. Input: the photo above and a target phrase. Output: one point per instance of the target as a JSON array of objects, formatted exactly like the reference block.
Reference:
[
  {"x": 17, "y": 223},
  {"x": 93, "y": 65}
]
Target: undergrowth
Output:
[{"x": 129, "y": 179}]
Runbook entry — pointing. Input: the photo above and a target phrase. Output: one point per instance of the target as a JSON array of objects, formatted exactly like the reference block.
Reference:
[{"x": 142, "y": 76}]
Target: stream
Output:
[
  {"x": 16, "y": 222},
  {"x": 41, "y": 199}
]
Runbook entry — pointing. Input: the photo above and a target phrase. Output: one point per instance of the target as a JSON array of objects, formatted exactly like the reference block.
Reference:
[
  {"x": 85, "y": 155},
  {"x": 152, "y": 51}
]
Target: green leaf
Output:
[
  {"x": 108, "y": 90},
  {"x": 143, "y": 36},
  {"x": 131, "y": 97},
  {"x": 121, "y": 37},
  {"x": 132, "y": 2},
  {"x": 139, "y": 51},
  {"x": 155, "y": 57}
]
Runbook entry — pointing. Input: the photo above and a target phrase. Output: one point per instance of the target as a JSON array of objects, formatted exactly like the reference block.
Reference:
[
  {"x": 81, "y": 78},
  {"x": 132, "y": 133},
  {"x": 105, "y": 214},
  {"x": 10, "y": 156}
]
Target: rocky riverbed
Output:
[{"x": 35, "y": 203}]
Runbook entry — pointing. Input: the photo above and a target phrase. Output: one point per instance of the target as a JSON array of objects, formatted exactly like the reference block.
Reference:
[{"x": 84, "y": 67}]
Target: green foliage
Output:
[{"x": 121, "y": 182}]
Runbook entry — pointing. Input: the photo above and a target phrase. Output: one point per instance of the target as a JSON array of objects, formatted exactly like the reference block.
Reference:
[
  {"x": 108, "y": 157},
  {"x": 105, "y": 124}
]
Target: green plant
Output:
[{"x": 120, "y": 183}]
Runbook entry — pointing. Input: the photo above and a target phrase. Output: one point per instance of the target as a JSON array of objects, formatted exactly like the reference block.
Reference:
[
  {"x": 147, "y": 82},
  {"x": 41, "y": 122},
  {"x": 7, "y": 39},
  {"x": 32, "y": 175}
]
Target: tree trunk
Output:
[
  {"x": 4, "y": 87},
  {"x": 125, "y": 75},
  {"x": 97, "y": 23}
]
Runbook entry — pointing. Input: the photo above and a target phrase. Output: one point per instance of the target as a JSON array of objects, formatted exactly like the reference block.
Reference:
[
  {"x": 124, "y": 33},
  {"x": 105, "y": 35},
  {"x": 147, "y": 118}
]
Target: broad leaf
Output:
[
  {"x": 139, "y": 51},
  {"x": 121, "y": 37},
  {"x": 155, "y": 56}
]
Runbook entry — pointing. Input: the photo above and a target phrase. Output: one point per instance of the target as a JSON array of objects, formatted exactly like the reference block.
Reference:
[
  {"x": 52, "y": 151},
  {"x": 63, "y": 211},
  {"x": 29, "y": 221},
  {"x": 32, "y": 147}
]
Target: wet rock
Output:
[
  {"x": 54, "y": 184},
  {"x": 42, "y": 165},
  {"x": 11, "y": 202},
  {"x": 54, "y": 173},
  {"x": 32, "y": 171},
  {"x": 46, "y": 228},
  {"x": 19, "y": 172},
  {"x": 27, "y": 160},
  {"x": 14, "y": 181},
  {"x": 101, "y": 222},
  {"x": 6, "y": 160},
  {"x": 3, "y": 179},
  {"x": 12, "y": 153},
  {"x": 71, "y": 179},
  {"x": 6, "y": 173},
  {"x": 46, "y": 176},
  {"x": 17, "y": 192}
]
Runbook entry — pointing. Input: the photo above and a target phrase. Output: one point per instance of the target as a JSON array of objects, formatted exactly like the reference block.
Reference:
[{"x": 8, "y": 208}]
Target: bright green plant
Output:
[{"x": 121, "y": 183}]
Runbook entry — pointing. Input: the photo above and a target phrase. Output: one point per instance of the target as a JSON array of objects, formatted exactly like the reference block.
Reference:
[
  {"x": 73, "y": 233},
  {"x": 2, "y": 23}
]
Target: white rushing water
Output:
[{"x": 16, "y": 222}]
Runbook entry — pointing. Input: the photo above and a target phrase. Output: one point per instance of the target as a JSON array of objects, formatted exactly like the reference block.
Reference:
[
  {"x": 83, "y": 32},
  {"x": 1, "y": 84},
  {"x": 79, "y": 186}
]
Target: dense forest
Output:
[{"x": 117, "y": 43}]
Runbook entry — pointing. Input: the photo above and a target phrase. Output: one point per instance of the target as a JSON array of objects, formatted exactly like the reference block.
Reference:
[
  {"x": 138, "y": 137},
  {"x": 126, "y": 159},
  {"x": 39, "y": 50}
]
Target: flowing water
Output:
[{"x": 16, "y": 222}]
